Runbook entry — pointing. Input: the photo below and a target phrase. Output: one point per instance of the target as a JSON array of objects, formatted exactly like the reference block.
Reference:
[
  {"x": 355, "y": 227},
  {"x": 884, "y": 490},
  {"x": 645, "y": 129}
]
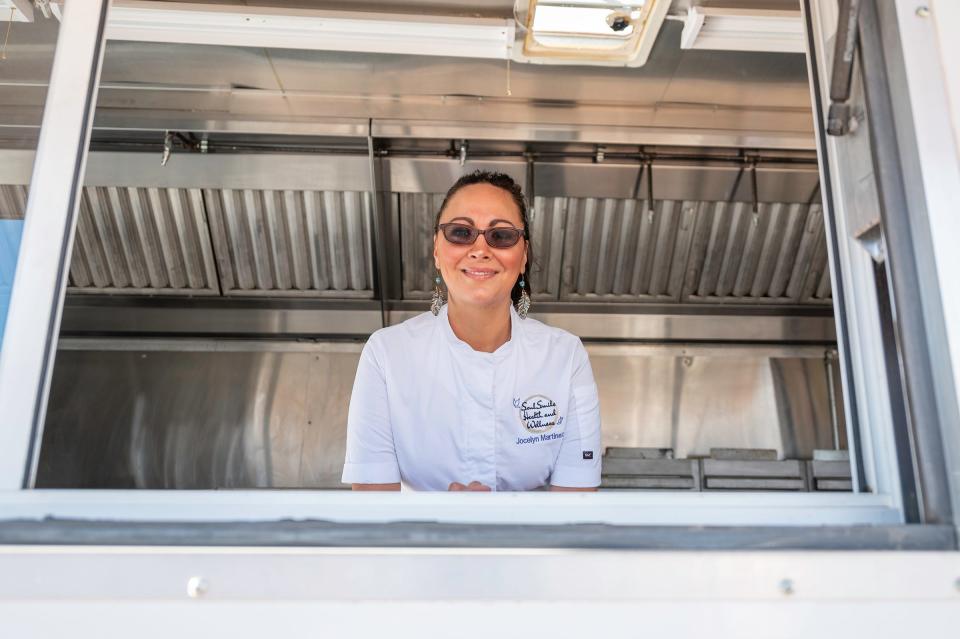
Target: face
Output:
[{"x": 477, "y": 275}]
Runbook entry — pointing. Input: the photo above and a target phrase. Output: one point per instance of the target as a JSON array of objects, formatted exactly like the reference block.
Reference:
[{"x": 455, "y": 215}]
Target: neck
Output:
[{"x": 484, "y": 329}]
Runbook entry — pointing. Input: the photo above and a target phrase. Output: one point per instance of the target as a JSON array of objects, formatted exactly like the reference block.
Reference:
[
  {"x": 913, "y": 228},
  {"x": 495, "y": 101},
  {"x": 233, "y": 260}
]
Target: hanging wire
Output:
[
  {"x": 814, "y": 194},
  {"x": 6, "y": 38},
  {"x": 650, "y": 188},
  {"x": 639, "y": 181},
  {"x": 736, "y": 185},
  {"x": 516, "y": 16},
  {"x": 530, "y": 186}
]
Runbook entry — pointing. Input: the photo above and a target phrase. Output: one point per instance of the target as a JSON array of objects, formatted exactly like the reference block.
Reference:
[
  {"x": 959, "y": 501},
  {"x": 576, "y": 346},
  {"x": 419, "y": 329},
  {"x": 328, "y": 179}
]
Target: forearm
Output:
[{"x": 384, "y": 487}]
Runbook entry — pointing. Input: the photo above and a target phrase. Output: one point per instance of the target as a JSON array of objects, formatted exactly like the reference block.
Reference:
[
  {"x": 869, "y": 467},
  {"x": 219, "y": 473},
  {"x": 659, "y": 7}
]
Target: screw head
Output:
[
  {"x": 923, "y": 12},
  {"x": 786, "y": 587},
  {"x": 197, "y": 587}
]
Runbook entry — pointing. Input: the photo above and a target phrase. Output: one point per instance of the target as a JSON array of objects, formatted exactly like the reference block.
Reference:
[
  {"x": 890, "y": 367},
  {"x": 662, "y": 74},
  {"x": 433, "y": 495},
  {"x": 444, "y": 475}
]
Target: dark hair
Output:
[{"x": 505, "y": 182}]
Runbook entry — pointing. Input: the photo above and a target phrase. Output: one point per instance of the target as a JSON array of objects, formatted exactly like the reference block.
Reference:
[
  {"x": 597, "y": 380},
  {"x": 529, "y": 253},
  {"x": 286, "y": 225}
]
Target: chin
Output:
[{"x": 480, "y": 298}]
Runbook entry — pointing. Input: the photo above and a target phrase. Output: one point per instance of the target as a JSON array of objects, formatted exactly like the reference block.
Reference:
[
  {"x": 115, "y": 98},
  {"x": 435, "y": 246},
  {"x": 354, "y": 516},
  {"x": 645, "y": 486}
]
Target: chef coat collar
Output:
[{"x": 504, "y": 349}]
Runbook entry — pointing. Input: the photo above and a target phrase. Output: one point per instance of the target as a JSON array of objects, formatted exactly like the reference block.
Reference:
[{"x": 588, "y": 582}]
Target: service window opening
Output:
[{"x": 251, "y": 215}]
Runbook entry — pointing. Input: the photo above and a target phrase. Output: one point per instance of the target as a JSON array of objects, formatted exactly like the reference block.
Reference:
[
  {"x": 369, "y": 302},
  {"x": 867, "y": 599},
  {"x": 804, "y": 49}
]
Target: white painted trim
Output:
[
  {"x": 620, "y": 507},
  {"x": 852, "y": 265},
  {"x": 305, "y": 29},
  {"x": 742, "y": 30},
  {"x": 417, "y": 593},
  {"x": 36, "y": 299},
  {"x": 930, "y": 75}
]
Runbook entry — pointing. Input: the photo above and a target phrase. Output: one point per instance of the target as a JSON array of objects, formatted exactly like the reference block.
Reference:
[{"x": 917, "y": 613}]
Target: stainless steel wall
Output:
[{"x": 222, "y": 414}]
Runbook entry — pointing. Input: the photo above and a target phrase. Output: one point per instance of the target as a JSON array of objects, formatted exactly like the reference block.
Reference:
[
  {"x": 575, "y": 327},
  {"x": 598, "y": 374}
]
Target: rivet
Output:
[
  {"x": 923, "y": 12},
  {"x": 197, "y": 587},
  {"x": 786, "y": 586}
]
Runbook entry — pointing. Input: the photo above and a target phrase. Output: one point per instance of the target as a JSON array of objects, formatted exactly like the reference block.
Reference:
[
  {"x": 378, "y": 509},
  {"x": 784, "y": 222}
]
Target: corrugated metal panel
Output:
[
  {"x": 13, "y": 201},
  {"x": 142, "y": 240},
  {"x": 292, "y": 243},
  {"x": 318, "y": 244},
  {"x": 777, "y": 255},
  {"x": 417, "y": 214},
  {"x": 548, "y": 221},
  {"x": 623, "y": 250},
  {"x": 698, "y": 252}
]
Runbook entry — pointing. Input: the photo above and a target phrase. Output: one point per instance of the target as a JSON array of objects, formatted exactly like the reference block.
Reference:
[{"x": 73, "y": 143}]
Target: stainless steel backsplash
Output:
[{"x": 197, "y": 414}]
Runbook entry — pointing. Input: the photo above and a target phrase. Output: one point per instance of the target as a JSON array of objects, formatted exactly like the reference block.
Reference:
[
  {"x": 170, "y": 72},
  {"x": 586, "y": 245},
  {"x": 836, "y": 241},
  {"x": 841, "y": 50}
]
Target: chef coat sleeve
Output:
[
  {"x": 371, "y": 457},
  {"x": 578, "y": 463}
]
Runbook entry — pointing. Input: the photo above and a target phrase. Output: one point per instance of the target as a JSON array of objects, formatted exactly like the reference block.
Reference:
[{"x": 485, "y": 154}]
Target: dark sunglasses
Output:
[{"x": 500, "y": 237}]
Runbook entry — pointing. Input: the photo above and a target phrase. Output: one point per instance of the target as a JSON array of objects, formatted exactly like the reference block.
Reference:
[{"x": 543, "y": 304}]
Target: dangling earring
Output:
[
  {"x": 437, "y": 302},
  {"x": 523, "y": 304}
]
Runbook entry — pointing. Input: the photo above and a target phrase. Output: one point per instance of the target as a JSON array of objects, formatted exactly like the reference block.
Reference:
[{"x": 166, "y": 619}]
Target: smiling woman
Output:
[{"x": 475, "y": 396}]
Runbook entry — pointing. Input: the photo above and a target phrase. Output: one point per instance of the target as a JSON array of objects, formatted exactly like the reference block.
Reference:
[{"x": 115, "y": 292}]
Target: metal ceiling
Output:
[{"x": 203, "y": 88}]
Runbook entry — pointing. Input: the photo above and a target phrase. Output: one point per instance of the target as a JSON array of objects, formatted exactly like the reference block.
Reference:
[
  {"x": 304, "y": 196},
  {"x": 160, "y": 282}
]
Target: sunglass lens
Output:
[
  {"x": 459, "y": 234},
  {"x": 503, "y": 238}
]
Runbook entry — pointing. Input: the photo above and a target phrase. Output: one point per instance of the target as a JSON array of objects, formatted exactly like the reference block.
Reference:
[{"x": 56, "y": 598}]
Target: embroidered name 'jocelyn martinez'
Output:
[{"x": 533, "y": 439}]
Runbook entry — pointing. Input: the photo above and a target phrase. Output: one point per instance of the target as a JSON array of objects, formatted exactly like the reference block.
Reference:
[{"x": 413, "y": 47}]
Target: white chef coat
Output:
[{"x": 428, "y": 410}]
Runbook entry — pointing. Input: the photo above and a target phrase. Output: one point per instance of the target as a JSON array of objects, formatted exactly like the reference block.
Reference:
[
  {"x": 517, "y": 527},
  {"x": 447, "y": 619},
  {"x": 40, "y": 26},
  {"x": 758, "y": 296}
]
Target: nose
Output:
[{"x": 480, "y": 248}]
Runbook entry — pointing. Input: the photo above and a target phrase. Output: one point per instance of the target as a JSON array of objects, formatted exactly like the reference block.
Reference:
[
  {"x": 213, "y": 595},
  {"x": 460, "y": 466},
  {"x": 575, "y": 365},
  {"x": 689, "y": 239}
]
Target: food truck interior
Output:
[{"x": 252, "y": 213}]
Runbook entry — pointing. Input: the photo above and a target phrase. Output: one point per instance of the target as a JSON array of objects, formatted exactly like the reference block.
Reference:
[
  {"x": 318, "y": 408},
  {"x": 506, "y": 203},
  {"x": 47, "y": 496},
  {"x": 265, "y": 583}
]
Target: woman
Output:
[{"x": 474, "y": 396}]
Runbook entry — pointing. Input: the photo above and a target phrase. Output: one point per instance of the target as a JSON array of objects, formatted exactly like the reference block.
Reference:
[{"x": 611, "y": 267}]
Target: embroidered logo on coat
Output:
[{"x": 537, "y": 413}]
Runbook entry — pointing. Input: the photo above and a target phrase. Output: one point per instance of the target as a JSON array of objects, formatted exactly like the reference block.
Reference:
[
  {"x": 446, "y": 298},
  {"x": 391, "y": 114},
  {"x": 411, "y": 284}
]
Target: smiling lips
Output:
[{"x": 479, "y": 273}]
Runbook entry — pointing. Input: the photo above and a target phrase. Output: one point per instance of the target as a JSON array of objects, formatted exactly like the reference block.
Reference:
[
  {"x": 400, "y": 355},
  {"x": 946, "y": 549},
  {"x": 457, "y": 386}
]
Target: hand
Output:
[{"x": 472, "y": 486}]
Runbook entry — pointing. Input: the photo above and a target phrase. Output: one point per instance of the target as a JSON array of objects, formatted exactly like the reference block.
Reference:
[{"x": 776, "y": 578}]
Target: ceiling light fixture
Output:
[
  {"x": 609, "y": 32},
  {"x": 373, "y": 32},
  {"x": 742, "y": 30}
]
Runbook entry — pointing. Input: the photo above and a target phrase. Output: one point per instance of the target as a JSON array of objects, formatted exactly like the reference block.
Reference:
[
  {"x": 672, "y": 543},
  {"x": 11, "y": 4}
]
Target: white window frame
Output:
[{"x": 33, "y": 327}]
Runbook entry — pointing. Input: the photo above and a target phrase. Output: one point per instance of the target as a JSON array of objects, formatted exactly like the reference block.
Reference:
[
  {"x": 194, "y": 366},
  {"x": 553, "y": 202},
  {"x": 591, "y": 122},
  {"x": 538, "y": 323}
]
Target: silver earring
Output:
[
  {"x": 523, "y": 304},
  {"x": 437, "y": 302}
]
